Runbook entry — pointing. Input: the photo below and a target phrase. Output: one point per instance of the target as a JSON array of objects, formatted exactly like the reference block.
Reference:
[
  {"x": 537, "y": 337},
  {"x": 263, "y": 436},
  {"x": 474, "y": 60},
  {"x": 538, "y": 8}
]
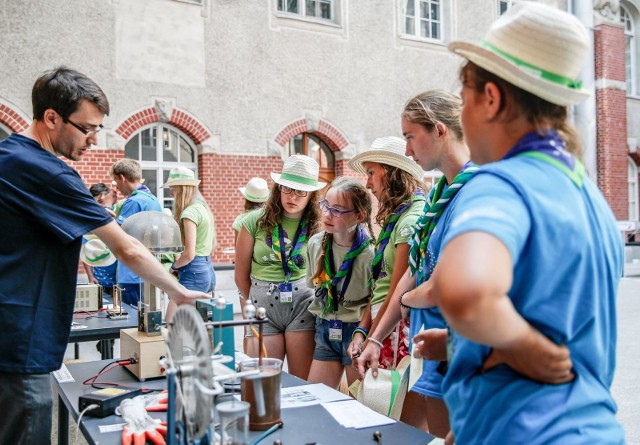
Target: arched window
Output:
[
  {"x": 159, "y": 148},
  {"x": 629, "y": 49},
  {"x": 633, "y": 190},
  {"x": 314, "y": 147}
]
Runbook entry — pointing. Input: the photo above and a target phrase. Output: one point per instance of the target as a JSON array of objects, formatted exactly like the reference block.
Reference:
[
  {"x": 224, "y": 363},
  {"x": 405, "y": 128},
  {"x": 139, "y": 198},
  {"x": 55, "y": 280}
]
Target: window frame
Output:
[
  {"x": 627, "y": 18},
  {"x": 634, "y": 193},
  {"x": 302, "y": 14},
  {"x": 159, "y": 165},
  {"x": 417, "y": 18}
]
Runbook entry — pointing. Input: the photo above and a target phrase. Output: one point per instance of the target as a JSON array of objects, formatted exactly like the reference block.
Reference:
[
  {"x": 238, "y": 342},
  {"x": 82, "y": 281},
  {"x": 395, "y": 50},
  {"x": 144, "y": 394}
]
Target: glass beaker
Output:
[
  {"x": 262, "y": 391},
  {"x": 234, "y": 422}
]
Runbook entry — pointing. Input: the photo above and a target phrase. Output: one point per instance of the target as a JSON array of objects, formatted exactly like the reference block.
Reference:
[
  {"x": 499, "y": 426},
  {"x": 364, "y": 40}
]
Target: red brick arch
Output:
[
  {"x": 12, "y": 118},
  {"x": 179, "y": 119},
  {"x": 327, "y": 132}
]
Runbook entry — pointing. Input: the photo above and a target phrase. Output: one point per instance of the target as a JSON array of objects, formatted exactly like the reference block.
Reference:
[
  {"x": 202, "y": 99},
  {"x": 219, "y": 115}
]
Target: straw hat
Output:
[
  {"x": 389, "y": 151},
  {"x": 96, "y": 253},
  {"x": 299, "y": 172},
  {"x": 535, "y": 47},
  {"x": 181, "y": 176},
  {"x": 256, "y": 190},
  {"x": 386, "y": 393}
]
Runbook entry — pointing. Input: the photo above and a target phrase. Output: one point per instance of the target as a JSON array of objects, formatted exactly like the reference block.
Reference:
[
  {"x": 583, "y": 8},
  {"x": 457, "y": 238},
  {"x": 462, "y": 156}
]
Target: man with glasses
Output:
[{"x": 45, "y": 209}]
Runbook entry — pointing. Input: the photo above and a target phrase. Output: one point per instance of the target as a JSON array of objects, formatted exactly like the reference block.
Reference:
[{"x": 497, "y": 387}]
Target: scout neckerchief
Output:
[
  {"x": 433, "y": 209},
  {"x": 328, "y": 280},
  {"x": 549, "y": 148},
  {"x": 384, "y": 236},
  {"x": 293, "y": 261},
  {"x": 143, "y": 190}
]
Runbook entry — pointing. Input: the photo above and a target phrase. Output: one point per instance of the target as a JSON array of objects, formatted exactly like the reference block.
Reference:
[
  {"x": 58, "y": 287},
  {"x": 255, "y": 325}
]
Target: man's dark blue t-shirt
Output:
[{"x": 45, "y": 208}]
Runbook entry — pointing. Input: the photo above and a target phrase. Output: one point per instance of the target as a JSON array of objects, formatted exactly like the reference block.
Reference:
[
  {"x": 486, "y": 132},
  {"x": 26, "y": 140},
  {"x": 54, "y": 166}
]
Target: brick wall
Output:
[{"x": 612, "y": 151}]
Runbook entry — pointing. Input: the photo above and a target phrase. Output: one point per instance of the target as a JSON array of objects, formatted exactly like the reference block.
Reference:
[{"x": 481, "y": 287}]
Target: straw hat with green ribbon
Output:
[
  {"x": 535, "y": 47},
  {"x": 96, "y": 253},
  {"x": 181, "y": 176},
  {"x": 299, "y": 172}
]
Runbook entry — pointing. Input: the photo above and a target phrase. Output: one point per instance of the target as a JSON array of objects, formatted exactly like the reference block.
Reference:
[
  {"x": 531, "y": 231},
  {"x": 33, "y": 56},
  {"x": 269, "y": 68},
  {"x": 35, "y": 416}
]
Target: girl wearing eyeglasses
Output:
[
  {"x": 396, "y": 181},
  {"x": 339, "y": 269},
  {"x": 271, "y": 268}
]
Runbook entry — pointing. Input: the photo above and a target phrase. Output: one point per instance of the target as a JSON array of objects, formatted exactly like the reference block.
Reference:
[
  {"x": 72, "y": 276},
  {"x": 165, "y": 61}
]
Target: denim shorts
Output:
[
  {"x": 283, "y": 317},
  {"x": 198, "y": 275},
  {"x": 333, "y": 351}
]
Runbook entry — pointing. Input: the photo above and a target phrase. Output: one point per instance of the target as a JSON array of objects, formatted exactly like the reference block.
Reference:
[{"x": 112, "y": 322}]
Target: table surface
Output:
[
  {"x": 99, "y": 327},
  {"x": 305, "y": 425}
]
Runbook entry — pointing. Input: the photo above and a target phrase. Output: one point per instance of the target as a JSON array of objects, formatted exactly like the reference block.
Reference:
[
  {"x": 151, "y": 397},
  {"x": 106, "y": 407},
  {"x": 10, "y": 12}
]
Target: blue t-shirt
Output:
[
  {"x": 140, "y": 200},
  {"x": 567, "y": 262},
  {"x": 430, "y": 382},
  {"x": 45, "y": 208}
]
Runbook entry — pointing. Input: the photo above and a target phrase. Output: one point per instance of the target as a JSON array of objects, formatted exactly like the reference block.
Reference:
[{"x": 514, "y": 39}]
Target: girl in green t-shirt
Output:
[
  {"x": 255, "y": 195},
  {"x": 270, "y": 264}
]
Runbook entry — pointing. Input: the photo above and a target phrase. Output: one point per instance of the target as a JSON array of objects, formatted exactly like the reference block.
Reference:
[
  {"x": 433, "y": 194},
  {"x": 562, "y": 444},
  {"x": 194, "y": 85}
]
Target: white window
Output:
[
  {"x": 503, "y": 5},
  {"x": 423, "y": 19},
  {"x": 633, "y": 190},
  {"x": 431, "y": 178},
  {"x": 629, "y": 49},
  {"x": 320, "y": 9},
  {"x": 159, "y": 148}
]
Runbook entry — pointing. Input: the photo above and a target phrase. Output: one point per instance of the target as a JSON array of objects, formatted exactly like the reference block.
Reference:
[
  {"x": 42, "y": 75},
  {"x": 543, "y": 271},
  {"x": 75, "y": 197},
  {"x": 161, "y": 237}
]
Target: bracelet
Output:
[
  {"x": 173, "y": 267},
  {"x": 402, "y": 305},
  {"x": 375, "y": 341},
  {"x": 361, "y": 330}
]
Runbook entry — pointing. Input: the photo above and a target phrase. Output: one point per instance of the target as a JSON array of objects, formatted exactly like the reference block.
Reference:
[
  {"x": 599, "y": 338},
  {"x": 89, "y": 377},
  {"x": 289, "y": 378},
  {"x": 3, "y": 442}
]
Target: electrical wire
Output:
[
  {"x": 108, "y": 367},
  {"x": 82, "y": 413}
]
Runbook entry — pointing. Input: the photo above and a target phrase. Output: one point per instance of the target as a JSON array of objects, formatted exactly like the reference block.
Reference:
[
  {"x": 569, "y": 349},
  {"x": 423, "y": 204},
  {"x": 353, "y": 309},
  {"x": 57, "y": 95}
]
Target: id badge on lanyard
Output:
[
  {"x": 335, "y": 330},
  {"x": 286, "y": 293}
]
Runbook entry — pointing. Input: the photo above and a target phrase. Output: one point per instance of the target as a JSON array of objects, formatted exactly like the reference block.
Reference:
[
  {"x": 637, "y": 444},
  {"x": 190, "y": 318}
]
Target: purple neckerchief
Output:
[{"x": 548, "y": 143}]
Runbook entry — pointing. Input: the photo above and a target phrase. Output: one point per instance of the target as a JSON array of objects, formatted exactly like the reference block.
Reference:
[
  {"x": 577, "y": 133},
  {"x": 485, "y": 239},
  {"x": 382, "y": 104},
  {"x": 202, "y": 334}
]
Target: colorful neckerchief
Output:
[
  {"x": 294, "y": 261},
  {"x": 433, "y": 209},
  {"x": 384, "y": 236},
  {"x": 549, "y": 148},
  {"x": 327, "y": 281}
]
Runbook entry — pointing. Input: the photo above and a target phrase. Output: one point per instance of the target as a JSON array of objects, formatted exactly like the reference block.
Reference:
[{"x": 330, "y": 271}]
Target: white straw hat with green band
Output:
[
  {"x": 181, "y": 176},
  {"x": 257, "y": 190},
  {"x": 96, "y": 253},
  {"x": 537, "y": 48},
  {"x": 388, "y": 150},
  {"x": 299, "y": 172}
]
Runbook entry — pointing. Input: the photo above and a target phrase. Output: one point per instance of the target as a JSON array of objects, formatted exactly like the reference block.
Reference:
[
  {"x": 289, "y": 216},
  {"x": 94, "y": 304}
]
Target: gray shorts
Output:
[{"x": 283, "y": 317}]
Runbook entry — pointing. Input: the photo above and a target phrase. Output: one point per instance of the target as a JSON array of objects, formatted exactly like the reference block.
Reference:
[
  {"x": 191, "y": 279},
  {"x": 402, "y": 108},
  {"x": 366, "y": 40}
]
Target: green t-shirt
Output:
[
  {"x": 265, "y": 264},
  {"x": 237, "y": 223},
  {"x": 358, "y": 293},
  {"x": 205, "y": 232},
  {"x": 401, "y": 234}
]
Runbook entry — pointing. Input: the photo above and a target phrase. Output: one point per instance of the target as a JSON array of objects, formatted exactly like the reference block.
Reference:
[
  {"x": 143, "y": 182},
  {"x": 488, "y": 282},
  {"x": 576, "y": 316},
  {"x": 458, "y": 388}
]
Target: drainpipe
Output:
[{"x": 584, "y": 115}]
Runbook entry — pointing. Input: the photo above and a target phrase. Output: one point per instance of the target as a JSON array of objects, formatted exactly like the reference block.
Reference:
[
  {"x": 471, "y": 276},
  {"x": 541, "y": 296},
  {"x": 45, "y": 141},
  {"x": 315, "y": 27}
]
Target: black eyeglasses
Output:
[
  {"x": 87, "y": 133},
  {"x": 288, "y": 190},
  {"x": 336, "y": 213}
]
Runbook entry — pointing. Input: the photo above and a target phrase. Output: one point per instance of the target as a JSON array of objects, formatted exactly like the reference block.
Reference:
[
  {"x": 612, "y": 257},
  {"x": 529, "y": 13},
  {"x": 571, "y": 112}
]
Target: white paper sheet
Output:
[
  {"x": 353, "y": 414},
  {"x": 306, "y": 395}
]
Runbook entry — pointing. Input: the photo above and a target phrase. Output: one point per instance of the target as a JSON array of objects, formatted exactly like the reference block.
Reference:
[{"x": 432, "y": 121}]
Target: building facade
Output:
[{"x": 229, "y": 88}]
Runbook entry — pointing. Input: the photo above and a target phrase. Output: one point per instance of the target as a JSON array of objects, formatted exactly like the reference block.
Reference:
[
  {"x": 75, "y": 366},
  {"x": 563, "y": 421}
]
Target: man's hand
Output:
[
  {"x": 431, "y": 345},
  {"x": 535, "y": 357},
  {"x": 189, "y": 297}
]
